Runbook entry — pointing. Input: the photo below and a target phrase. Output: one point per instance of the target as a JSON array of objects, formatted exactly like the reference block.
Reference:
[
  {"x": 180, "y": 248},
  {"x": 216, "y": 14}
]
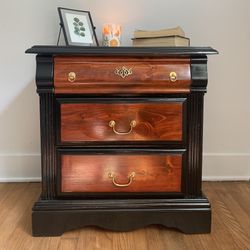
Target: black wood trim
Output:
[
  {"x": 113, "y": 100},
  {"x": 44, "y": 74},
  {"x": 122, "y": 51},
  {"x": 199, "y": 74},
  {"x": 47, "y": 127},
  {"x": 156, "y": 203},
  {"x": 131, "y": 150},
  {"x": 189, "y": 216},
  {"x": 121, "y": 96},
  {"x": 58, "y": 121},
  {"x": 194, "y": 142},
  {"x": 123, "y": 144}
]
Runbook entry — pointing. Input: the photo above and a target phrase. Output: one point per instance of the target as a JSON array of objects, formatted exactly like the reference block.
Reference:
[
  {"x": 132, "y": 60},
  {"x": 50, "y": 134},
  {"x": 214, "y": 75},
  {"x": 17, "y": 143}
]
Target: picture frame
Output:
[{"x": 78, "y": 28}]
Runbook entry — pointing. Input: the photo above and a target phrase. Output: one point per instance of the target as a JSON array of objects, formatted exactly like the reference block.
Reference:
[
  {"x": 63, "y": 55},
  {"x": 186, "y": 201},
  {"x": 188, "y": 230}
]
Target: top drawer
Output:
[{"x": 91, "y": 75}]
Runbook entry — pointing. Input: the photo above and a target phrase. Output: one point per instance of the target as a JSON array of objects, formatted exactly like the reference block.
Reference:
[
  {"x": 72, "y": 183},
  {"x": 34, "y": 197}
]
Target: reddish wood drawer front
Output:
[
  {"x": 120, "y": 75},
  {"x": 133, "y": 122},
  {"x": 134, "y": 173}
]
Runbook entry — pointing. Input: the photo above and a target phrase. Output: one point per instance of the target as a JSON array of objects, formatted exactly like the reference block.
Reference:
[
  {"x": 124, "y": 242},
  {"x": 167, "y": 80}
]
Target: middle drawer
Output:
[{"x": 154, "y": 120}]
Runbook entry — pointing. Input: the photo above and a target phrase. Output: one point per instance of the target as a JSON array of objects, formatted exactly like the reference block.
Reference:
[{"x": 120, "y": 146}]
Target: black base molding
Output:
[{"x": 54, "y": 217}]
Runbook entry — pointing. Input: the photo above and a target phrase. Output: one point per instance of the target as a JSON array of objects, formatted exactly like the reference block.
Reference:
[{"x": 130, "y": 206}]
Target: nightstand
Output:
[{"x": 121, "y": 138}]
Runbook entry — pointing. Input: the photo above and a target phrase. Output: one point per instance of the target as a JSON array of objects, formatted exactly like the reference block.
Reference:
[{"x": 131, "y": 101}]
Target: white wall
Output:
[{"x": 223, "y": 25}]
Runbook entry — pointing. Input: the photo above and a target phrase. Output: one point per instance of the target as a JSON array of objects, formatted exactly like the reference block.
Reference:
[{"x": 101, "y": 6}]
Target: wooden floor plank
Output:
[
  {"x": 241, "y": 192},
  {"x": 153, "y": 238},
  {"x": 68, "y": 244},
  {"x": 227, "y": 233},
  {"x": 172, "y": 239},
  {"x": 11, "y": 211},
  {"x": 6, "y": 190},
  {"x": 139, "y": 239},
  {"x": 230, "y": 225},
  {"x": 93, "y": 238},
  {"x": 21, "y": 217},
  {"x": 233, "y": 200}
]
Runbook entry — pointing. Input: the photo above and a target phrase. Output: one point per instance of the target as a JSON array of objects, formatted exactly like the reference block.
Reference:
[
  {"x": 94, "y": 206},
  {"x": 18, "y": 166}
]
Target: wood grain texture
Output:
[
  {"x": 90, "y": 173},
  {"x": 95, "y": 74},
  {"x": 230, "y": 229},
  {"x": 90, "y": 122}
]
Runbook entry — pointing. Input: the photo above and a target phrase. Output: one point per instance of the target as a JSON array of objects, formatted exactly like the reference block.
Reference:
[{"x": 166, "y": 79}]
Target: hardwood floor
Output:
[{"x": 230, "y": 224}]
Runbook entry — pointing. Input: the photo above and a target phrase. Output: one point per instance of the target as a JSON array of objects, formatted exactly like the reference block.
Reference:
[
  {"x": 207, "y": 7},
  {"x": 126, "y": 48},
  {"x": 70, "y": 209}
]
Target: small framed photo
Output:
[{"x": 78, "y": 28}]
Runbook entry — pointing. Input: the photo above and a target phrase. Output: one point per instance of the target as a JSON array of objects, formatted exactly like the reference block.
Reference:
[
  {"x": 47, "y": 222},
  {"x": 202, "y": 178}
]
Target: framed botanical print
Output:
[{"x": 78, "y": 28}]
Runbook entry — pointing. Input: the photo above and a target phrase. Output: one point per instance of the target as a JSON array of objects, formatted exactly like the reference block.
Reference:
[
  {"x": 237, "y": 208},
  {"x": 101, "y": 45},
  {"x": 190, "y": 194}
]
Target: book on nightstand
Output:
[
  {"x": 178, "y": 31},
  {"x": 164, "y": 37},
  {"x": 161, "y": 41}
]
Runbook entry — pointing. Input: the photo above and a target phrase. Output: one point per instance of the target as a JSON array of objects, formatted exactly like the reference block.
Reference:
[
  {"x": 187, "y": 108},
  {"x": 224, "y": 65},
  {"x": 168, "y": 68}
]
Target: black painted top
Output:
[{"x": 122, "y": 51}]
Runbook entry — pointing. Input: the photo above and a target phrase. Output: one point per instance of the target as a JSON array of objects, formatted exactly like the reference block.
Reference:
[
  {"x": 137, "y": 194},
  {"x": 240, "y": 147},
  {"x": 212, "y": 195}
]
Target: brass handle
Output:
[
  {"x": 173, "y": 76},
  {"x": 71, "y": 76},
  {"x": 131, "y": 178},
  {"x": 113, "y": 123}
]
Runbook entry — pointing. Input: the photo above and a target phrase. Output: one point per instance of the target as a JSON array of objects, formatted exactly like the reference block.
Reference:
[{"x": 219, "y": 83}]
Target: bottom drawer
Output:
[{"x": 84, "y": 173}]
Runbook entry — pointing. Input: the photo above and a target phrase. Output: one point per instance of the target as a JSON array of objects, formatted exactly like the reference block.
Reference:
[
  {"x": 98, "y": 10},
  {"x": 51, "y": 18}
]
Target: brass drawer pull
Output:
[
  {"x": 173, "y": 76},
  {"x": 113, "y": 123},
  {"x": 131, "y": 178},
  {"x": 71, "y": 76}
]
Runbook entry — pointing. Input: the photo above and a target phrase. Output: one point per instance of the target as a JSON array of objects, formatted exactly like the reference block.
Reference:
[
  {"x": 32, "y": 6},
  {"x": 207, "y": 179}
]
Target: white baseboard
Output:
[
  {"x": 225, "y": 178},
  {"x": 20, "y": 167},
  {"x": 216, "y": 167},
  {"x": 226, "y": 167},
  {"x": 20, "y": 179}
]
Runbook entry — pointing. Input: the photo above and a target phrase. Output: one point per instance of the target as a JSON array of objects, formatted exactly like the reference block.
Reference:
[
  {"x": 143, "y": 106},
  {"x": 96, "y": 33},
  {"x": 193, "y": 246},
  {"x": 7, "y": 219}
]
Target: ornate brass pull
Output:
[
  {"x": 71, "y": 76},
  {"x": 173, "y": 76},
  {"x": 131, "y": 178},
  {"x": 123, "y": 72},
  {"x": 113, "y": 123}
]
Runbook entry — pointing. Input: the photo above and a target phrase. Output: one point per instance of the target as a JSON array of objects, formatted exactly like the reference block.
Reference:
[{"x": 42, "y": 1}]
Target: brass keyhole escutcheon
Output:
[
  {"x": 173, "y": 76},
  {"x": 71, "y": 76},
  {"x": 123, "y": 71}
]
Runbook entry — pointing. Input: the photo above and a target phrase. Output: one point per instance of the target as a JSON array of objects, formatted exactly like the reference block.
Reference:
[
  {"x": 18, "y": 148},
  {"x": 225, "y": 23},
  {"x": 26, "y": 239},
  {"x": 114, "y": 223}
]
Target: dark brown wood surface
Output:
[
  {"x": 90, "y": 173},
  {"x": 128, "y": 51},
  {"x": 90, "y": 122},
  {"x": 98, "y": 74}
]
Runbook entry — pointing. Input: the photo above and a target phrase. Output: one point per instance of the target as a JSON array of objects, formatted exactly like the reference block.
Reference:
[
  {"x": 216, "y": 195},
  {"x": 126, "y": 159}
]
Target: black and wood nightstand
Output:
[{"x": 121, "y": 138}]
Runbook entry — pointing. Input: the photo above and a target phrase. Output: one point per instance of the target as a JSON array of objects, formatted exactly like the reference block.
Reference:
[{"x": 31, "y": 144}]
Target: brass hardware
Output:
[
  {"x": 173, "y": 76},
  {"x": 123, "y": 72},
  {"x": 71, "y": 76},
  {"x": 113, "y": 123},
  {"x": 131, "y": 178}
]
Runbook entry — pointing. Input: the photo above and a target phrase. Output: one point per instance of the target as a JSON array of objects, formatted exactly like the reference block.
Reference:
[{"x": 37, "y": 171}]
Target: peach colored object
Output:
[{"x": 111, "y": 34}]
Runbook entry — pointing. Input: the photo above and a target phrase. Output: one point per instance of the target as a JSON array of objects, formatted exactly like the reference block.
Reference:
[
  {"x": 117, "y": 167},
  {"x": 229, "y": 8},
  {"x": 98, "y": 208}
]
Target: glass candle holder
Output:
[{"x": 111, "y": 35}]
